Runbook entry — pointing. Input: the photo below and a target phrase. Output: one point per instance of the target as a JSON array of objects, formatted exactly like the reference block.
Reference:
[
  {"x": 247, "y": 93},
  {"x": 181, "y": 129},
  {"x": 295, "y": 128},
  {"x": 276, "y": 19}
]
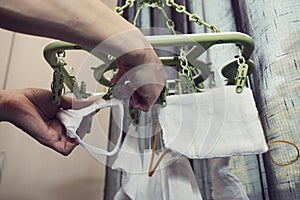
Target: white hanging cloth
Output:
[
  {"x": 225, "y": 186},
  {"x": 215, "y": 123},
  {"x": 174, "y": 178}
]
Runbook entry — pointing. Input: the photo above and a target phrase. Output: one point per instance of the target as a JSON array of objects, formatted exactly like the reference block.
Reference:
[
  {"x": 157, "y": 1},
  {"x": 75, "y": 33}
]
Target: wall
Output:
[{"x": 32, "y": 171}]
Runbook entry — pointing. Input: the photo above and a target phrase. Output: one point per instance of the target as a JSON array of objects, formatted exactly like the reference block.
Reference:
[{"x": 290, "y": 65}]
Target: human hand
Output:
[
  {"x": 32, "y": 111},
  {"x": 146, "y": 75}
]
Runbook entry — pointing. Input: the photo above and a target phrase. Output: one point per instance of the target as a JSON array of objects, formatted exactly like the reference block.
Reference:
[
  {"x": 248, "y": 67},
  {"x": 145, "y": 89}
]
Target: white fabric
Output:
[
  {"x": 174, "y": 178},
  {"x": 76, "y": 121},
  {"x": 215, "y": 123},
  {"x": 175, "y": 181},
  {"x": 129, "y": 157},
  {"x": 224, "y": 184},
  {"x": 121, "y": 195}
]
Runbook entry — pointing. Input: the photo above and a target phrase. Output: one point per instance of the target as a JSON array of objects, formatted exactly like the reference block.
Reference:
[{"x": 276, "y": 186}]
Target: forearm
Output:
[
  {"x": 90, "y": 24},
  {"x": 84, "y": 22}
]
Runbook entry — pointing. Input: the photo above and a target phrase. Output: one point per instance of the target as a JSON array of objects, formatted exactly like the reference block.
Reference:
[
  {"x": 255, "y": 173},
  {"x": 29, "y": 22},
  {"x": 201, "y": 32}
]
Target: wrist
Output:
[
  {"x": 127, "y": 44},
  {"x": 139, "y": 57}
]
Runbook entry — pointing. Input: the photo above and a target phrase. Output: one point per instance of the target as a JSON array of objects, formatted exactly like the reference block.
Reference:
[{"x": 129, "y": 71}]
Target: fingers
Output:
[
  {"x": 146, "y": 83},
  {"x": 66, "y": 102},
  {"x": 137, "y": 102},
  {"x": 56, "y": 138},
  {"x": 66, "y": 145},
  {"x": 145, "y": 96}
]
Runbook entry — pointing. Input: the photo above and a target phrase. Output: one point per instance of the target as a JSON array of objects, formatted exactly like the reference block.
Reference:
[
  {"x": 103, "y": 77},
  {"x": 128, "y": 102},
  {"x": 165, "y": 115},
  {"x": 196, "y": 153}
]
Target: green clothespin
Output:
[
  {"x": 57, "y": 85},
  {"x": 241, "y": 75}
]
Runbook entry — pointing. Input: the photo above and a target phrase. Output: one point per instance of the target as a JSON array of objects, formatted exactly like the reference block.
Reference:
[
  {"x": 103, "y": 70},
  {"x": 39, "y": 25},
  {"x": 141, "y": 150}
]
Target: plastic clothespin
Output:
[
  {"x": 57, "y": 85},
  {"x": 241, "y": 75},
  {"x": 163, "y": 95}
]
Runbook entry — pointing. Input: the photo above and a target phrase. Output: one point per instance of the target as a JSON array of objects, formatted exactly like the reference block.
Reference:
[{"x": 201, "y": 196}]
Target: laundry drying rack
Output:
[{"x": 192, "y": 72}]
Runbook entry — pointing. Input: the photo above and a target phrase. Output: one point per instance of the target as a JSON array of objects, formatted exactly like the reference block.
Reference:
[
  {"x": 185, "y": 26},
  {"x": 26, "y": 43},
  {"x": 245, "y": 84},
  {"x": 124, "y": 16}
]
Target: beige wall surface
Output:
[
  {"x": 32, "y": 171},
  {"x": 6, "y": 40}
]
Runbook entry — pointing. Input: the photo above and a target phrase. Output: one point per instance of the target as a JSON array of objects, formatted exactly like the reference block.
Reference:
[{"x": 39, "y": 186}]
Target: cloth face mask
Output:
[
  {"x": 76, "y": 121},
  {"x": 215, "y": 123}
]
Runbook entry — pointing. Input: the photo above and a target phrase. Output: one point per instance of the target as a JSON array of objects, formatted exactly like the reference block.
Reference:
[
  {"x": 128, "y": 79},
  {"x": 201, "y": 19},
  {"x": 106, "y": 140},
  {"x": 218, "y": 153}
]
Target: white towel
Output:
[{"x": 215, "y": 123}]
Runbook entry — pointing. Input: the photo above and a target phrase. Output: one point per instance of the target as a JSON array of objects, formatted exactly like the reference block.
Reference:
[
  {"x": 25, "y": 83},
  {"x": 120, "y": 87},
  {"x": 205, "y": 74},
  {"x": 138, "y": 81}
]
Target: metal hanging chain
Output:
[
  {"x": 146, "y": 3},
  {"x": 191, "y": 16},
  {"x": 185, "y": 75},
  {"x": 134, "y": 22},
  {"x": 170, "y": 3},
  {"x": 187, "y": 84},
  {"x": 155, "y": 4},
  {"x": 128, "y": 4},
  {"x": 169, "y": 22}
]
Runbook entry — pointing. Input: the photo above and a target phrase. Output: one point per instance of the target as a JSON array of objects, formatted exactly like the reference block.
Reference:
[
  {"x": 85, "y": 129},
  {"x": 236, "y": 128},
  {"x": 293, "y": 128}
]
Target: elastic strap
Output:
[
  {"x": 116, "y": 148},
  {"x": 287, "y": 142},
  {"x": 152, "y": 170}
]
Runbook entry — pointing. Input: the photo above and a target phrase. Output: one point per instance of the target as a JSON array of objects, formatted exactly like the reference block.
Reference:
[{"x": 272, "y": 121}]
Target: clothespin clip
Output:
[
  {"x": 57, "y": 85},
  {"x": 163, "y": 95},
  {"x": 108, "y": 94},
  {"x": 242, "y": 72}
]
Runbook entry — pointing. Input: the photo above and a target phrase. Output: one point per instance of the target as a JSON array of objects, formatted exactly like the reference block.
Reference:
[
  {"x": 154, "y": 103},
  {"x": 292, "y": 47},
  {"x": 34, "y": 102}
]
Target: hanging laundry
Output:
[
  {"x": 215, "y": 123},
  {"x": 225, "y": 186},
  {"x": 173, "y": 179}
]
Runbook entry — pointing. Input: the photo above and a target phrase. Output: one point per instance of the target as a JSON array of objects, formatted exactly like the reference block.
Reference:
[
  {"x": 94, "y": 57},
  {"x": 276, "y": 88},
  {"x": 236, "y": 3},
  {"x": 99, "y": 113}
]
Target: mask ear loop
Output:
[
  {"x": 86, "y": 111},
  {"x": 152, "y": 170},
  {"x": 116, "y": 148},
  {"x": 287, "y": 142}
]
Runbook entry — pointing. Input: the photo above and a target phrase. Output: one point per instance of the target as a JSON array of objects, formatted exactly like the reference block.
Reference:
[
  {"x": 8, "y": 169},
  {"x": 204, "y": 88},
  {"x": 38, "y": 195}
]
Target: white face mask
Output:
[
  {"x": 215, "y": 123},
  {"x": 75, "y": 120}
]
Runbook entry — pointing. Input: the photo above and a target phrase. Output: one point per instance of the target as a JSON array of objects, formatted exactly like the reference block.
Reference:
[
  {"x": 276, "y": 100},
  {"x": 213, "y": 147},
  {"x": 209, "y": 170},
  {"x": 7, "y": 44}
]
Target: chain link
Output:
[
  {"x": 146, "y": 3},
  {"x": 185, "y": 74},
  {"x": 170, "y": 3},
  {"x": 128, "y": 4},
  {"x": 182, "y": 58},
  {"x": 169, "y": 22},
  {"x": 192, "y": 17}
]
